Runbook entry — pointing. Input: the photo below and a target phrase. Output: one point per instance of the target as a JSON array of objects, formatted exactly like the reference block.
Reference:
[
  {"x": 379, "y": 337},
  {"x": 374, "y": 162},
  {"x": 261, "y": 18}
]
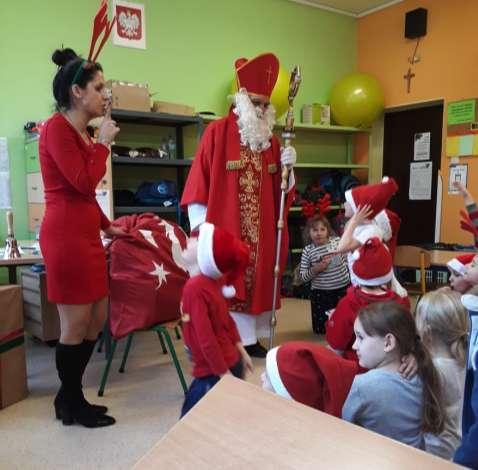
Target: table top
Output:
[
  {"x": 27, "y": 256},
  {"x": 441, "y": 257},
  {"x": 237, "y": 425}
]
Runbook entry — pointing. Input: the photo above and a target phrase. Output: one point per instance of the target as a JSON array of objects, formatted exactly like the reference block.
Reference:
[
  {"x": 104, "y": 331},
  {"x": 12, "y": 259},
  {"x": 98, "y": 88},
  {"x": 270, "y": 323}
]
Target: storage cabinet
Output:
[
  {"x": 41, "y": 316},
  {"x": 141, "y": 129}
]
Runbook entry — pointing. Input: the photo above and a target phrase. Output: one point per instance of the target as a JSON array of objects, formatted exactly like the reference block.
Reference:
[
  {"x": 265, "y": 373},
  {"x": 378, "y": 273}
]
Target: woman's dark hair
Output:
[
  {"x": 382, "y": 318},
  {"x": 311, "y": 222},
  {"x": 69, "y": 73}
]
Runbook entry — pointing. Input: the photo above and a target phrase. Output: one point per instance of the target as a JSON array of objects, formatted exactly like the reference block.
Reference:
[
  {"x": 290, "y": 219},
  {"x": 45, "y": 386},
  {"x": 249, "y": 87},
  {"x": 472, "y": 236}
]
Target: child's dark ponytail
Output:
[{"x": 433, "y": 418}]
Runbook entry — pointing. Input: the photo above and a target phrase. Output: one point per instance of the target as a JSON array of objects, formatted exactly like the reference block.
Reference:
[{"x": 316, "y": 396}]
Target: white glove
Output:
[{"x": 288, "y": 156}]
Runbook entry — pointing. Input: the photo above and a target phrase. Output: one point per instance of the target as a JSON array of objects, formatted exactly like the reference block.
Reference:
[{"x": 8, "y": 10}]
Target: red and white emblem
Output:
[{"x": 129, "y": 23}]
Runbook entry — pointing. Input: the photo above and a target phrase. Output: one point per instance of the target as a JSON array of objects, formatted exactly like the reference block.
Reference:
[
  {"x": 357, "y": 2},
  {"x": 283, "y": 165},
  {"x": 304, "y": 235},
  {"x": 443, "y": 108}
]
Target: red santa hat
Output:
[
  {"x": 258, "y": 75},
  {"x": 459, "y": 263},
  {"x": 311, "y": 374},
  {"x": 376, "y": 195},
  {"x": 372, "y": 264},
  {"x": 221, "y": 254}
]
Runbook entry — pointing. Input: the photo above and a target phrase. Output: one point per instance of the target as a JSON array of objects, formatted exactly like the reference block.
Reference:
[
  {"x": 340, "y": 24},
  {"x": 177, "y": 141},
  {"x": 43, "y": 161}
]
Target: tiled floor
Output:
[{"x": 145, "y": 400}]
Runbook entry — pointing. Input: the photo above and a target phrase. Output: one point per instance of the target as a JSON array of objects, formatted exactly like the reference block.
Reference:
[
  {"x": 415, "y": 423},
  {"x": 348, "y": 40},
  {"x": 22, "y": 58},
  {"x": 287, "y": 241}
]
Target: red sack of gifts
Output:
[{"x": 147, "y": 274}]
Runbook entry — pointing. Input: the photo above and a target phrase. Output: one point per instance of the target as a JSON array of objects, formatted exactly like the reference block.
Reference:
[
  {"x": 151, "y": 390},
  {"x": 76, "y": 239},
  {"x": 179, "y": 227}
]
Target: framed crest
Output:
[{"x": 130, "y": 27}]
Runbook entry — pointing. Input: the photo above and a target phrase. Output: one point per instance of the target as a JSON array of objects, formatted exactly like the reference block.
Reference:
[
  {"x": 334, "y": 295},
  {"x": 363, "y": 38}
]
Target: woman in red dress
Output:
[{"x": 72, "y": 166}]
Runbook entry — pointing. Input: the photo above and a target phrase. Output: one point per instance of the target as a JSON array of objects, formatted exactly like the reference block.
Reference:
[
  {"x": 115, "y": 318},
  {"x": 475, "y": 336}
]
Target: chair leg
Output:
[
  {"x": 178, "y": 334},
  {"x": 172, "y": 351},
  {"x": 100, "y": 344},
  {"x": 107, "y": 368},
  {"x": 161, "y": 340},
  {"x": 126, "y": 352}
]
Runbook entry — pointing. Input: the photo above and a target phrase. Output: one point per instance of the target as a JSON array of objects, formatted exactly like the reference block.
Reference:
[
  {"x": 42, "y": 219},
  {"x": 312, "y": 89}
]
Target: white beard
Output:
[{"x": 255, "y": 125}]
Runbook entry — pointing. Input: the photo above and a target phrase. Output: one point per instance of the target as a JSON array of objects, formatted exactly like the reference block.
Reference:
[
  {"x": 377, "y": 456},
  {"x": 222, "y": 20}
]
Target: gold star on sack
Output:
[{"x": 161, "y": 273}]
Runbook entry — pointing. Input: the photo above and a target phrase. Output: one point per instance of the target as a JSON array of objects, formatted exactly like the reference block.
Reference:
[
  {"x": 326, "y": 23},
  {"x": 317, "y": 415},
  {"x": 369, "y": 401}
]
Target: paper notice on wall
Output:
[
  {"x": 5, "y": 190},
  {"x": 420, "y": 188},
  {"x": 421, "y": 146},
  {"x": 458, "y": 173},
  {"x": 103, "y": 198}
]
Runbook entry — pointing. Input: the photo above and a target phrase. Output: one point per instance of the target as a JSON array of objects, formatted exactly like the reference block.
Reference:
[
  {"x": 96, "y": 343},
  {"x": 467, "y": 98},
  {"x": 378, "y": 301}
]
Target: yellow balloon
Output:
[
  {"x": 280, "y": 92},
  {"x": 356, "y": 100}
]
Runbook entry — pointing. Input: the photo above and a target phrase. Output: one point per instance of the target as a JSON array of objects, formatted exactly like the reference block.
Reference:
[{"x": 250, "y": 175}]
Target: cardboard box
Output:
[
  {"x": 130, "y": 96},
  {"x": 13, "y": 372},
  {"x": 173, "y": 108}
]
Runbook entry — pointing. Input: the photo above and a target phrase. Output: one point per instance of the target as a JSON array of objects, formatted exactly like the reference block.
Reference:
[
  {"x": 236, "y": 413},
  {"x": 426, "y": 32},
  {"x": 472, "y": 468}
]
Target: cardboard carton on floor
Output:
[
  {"x": 130, "y": 96},
  {"x": 13, "y": 374}
]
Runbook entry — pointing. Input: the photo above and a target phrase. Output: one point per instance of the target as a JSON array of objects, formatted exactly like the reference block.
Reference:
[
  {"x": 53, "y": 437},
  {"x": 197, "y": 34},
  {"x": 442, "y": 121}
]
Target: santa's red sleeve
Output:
[
  {"x": 201, "y": 323},
  {"x": 197, "y": 183},
  {"x": 83, "y": 175},
  {"x": 339, "y": 329}
]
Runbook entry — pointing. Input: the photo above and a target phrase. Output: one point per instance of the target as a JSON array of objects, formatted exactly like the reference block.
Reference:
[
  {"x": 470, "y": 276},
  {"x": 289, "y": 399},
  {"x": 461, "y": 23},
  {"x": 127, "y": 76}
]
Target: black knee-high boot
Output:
[
  {"x": 69, "y": 406},
  {"x": 88, "y": 347}
]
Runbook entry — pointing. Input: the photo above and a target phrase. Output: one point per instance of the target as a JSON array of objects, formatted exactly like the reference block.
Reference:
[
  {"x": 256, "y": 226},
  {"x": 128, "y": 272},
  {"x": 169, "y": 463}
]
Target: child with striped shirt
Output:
[{"x": 327, "y": 271}]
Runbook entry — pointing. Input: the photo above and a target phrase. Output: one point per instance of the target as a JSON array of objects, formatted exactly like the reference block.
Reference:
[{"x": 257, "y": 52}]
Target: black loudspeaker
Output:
[{"x": 416, "y": 23}]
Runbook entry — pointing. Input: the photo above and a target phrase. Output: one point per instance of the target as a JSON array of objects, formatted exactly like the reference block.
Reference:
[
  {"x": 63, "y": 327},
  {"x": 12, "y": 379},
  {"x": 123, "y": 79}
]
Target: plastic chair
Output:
[
  {"x": 409, "y": 256},
  {"x": 163, "y": 334}
]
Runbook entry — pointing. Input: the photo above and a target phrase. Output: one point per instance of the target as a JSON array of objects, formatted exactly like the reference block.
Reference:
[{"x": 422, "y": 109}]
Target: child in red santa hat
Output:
[
  {"x": 310, "y": 374},
  {"x": 366, "y": 207},
  {"x": 210, "y": 334},
  {"x": 372, "y": 268},
  {"x": 460, "y": 268}
]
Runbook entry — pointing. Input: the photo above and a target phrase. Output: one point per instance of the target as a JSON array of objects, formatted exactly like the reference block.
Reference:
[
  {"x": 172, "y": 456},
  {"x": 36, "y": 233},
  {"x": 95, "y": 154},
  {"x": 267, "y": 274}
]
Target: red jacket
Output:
[
  {"x": 339, "y": 330},
  {"x": 208, "y": 330}
]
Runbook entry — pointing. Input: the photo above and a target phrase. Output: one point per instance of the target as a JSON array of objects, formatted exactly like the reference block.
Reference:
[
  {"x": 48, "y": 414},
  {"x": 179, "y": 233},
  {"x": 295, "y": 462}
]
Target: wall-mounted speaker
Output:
[{"x": 416, "y": 23}]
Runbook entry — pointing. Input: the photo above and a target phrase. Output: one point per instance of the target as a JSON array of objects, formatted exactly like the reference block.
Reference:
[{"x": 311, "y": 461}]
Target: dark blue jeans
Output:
[{"x": 200, "y": 386}]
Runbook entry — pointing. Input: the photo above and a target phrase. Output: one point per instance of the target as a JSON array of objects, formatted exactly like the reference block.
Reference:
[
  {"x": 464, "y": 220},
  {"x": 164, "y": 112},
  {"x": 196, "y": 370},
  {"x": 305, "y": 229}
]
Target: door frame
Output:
[{"x": 377, "y": 143}]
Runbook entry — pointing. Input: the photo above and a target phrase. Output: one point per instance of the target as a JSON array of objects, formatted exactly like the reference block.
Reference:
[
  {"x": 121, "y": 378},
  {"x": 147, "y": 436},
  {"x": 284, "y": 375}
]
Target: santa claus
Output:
[{"x": 234, "y": 183}]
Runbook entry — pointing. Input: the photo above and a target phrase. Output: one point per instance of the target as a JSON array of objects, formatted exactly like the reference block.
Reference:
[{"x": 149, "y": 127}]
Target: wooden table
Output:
[
  {"x": 237, "y": 425},
  {"x": 26, "y": 259},
  {"x": 441, "y": 257}
]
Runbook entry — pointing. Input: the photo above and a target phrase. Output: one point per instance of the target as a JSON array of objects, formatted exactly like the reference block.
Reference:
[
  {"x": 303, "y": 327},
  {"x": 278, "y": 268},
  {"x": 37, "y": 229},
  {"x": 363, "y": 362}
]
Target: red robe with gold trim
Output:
[{"x": 241, "y": 190}]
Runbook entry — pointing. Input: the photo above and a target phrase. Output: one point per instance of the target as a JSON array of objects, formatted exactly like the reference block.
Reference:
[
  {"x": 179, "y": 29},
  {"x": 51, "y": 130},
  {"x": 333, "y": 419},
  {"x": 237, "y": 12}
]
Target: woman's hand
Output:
[
  {"x": 112, "y": 231},
  {"x": 108, "y": 129}
]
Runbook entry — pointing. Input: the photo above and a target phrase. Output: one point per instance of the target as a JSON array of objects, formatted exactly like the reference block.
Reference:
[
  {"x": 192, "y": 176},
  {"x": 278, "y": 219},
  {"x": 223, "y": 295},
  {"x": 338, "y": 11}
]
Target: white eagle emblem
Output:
[{"x": 129, "y": 24}]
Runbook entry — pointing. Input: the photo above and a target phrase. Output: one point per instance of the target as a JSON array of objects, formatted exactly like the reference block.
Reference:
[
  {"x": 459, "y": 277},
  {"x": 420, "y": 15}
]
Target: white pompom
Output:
[
  {"x": 385, "y": 179},
  {"x": 228, "y": 291},
  {"x": 356, "y": 254}
]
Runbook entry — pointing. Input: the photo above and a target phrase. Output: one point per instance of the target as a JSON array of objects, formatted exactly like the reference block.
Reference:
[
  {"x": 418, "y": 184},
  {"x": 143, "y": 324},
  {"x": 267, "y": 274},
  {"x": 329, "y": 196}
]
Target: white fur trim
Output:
[
  {"x": 273, "y": 373},
  {"x": 385, "y": 179},
  {"x": 456, "y": 266},
  {"x": 381, "y": 219},
  {"x": 470, "y": 302},
  {"x": 398, "y": 288},
  {"x": 206, "y": 262},
  {"x": 228, "y": 291},
  {"x": 376, "y": 281},
  {"x": 356, "y": 255},
  {"x": 196, "y": 214},
  {"x": 349, "y": 198}
]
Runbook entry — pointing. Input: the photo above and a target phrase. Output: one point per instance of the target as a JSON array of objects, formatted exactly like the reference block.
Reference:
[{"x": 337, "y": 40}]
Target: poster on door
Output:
[
  {"x": 420, "y": 188},
  {"x": 130, "y": 27},
  {"x": 421, "y": 146}
]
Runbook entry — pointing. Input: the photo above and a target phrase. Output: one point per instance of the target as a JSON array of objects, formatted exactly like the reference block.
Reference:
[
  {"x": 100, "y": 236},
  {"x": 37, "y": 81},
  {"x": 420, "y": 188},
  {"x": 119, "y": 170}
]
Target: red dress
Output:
[
  {"x": 70, "y": 232},
  {"x": 241, "y": 190}
]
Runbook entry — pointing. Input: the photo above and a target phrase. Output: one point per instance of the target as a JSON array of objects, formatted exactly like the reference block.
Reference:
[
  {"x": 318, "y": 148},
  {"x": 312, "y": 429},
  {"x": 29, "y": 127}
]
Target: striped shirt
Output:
[{"x": 335, "y": 276}]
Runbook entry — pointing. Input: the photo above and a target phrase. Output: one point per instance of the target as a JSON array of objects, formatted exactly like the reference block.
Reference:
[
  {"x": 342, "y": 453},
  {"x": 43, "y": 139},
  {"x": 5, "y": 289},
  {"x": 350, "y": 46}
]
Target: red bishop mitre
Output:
[{"x": 258, "y": 75}]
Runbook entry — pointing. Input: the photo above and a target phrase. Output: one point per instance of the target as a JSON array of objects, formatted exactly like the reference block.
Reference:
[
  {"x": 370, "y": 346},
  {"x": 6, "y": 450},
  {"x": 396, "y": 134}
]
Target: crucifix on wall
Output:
[{"x": 408, "y": 77}]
